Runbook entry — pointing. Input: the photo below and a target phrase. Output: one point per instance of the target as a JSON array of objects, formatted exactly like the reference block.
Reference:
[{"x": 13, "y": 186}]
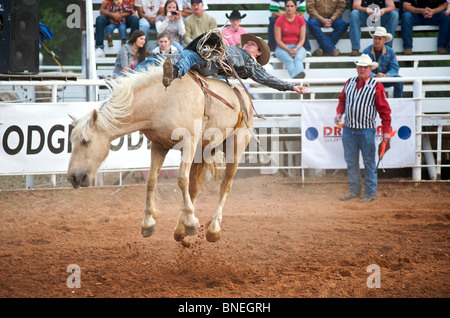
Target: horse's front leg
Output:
[
  {"x": 158, "y": 154},
  {"x": 187, "y": 222}
]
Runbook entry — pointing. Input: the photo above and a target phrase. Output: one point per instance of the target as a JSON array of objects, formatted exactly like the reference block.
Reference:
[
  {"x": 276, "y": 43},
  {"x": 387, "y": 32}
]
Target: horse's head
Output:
[{"x": 90, "y": 148}]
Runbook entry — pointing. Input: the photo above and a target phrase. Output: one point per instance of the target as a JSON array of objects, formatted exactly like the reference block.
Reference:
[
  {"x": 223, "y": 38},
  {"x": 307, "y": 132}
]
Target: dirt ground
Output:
[{"x": 280, "y": 238}]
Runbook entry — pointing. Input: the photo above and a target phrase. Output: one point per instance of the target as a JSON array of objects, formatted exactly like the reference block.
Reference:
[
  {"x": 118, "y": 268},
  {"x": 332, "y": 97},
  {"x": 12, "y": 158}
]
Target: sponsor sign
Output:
[
  {"x": 35, "y": 138},
  {"x": 322, "y": 139}
]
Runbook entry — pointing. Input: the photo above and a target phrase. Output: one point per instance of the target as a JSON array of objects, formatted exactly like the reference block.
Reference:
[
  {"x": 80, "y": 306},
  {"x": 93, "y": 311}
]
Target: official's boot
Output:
[{"x": 350, "y": 196}]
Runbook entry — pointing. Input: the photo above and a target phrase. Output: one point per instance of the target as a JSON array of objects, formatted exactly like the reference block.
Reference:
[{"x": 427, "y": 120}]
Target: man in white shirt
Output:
[{"x": 148, "y": 10}]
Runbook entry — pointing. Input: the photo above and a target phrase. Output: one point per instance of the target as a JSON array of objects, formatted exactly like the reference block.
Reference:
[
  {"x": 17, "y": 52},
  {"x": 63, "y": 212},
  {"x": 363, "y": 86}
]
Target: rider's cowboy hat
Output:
[
  {"x": 235, "y": 15},
  {"x": 365, "y": 60},
  {"x": 380, "y": 31},
  {"x": 263, "y": 59}
]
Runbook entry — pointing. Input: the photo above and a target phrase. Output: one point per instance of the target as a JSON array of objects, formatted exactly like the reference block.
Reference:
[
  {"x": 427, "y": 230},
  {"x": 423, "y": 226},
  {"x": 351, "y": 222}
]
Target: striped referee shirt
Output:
[{"x": 361, "y": 101}]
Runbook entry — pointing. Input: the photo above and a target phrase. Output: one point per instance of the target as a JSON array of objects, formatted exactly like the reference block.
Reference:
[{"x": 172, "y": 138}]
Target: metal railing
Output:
[{"x": 430, "y": 112}]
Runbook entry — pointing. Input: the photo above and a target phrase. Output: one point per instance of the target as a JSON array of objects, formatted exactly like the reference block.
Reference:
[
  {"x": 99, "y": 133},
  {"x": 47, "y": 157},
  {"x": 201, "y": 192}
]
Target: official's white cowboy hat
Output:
[
  {"x": 365, "y": 60},
  {"x": 380, "y": 31}
]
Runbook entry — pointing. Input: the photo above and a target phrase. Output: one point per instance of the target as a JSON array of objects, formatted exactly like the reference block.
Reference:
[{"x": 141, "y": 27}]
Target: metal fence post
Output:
[{"x": 417, "y": 95}]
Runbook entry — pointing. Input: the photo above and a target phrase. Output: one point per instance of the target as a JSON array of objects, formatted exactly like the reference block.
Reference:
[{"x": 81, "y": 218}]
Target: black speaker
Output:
[{"x": 19, "y": 36}]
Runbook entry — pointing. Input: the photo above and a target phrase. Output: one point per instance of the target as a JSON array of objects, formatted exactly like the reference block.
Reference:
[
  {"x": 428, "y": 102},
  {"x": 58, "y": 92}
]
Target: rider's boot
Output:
[{"x": 167, "y": 72}]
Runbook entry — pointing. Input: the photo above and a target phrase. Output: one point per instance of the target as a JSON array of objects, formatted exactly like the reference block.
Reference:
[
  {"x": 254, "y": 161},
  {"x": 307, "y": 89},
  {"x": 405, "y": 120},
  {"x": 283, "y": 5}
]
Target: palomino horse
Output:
[{"x": 181, "y": 115}]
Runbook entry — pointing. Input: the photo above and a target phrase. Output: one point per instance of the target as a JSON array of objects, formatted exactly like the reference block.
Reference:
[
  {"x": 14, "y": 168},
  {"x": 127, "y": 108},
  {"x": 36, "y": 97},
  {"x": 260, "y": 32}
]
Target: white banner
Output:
[
  {"x": 322, "y": 139},
  {"x": 35, "y": 139}
]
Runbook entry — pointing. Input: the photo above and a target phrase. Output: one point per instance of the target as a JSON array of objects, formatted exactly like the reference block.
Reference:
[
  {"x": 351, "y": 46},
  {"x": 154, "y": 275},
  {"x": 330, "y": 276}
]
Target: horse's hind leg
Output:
[
  {"x": 239, "y": 142},
  {"x": 158, "y": 154},
  {"x": 214, "y": 231}
]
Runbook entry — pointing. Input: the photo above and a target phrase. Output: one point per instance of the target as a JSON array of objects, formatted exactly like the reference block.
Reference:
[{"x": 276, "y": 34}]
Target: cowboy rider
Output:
[{"x": 247, "y": 61}]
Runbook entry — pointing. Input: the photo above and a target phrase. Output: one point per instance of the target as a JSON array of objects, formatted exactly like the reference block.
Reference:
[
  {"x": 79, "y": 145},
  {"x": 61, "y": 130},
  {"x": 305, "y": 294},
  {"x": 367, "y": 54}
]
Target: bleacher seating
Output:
[{"x": 424, "y": 62}]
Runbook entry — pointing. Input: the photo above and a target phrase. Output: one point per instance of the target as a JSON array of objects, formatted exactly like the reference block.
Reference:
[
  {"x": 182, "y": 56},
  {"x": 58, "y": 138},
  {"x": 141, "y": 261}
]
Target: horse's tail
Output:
[{"x": 211, "y": 167}]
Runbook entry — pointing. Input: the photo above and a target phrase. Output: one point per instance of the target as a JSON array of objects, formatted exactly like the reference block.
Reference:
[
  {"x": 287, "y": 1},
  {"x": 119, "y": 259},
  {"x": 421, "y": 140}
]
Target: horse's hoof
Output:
[
  {"x": 178, "y": 237},
  {"x": 146, "y": 232},
  {"x": 213, "y": 237},
  {"x": 191, "y": 230}
]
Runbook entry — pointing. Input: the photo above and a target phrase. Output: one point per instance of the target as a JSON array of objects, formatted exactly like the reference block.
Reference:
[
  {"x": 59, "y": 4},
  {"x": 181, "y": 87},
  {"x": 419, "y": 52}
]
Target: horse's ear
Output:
[
  {"x": 72, "y": 117},
  {"x": 94, "y": 117}
]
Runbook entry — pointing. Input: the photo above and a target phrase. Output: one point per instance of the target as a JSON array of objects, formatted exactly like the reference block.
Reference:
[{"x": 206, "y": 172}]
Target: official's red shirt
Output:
[{"x": 381, "y": 103}]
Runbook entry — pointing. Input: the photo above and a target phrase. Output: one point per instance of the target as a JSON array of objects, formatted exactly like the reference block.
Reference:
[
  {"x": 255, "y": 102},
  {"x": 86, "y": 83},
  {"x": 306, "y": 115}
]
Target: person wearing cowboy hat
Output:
[
  {"x": 370, "y": 13},
  {"x": 386, "y": 58},
  {"x": 247, "y": 61},
  {"x": 232, "y": 34},
  {"x": 360, "y": 100}
]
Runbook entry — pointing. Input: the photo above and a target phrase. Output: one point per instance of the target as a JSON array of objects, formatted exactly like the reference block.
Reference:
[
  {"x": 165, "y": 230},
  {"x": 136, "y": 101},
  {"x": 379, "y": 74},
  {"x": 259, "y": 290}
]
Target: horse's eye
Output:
[{"x": 84, "y": 142}]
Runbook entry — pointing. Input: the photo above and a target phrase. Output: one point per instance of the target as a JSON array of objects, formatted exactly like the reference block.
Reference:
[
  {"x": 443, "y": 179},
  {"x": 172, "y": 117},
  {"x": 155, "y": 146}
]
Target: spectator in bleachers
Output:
[
  {"x": 117, "y": 6},
  {"x": 276, "y": 10},
  {"x": 447, "y": 12},
  {"x": 130, "y": 54},
  {"x": 172, "y": 22},
  {"x": 425, "y": 12},
  {"x": 232, "y": 34},
  {"x": 301, "y": 11},
  {"x": 148, "y": 11},
  {"x": 199, "y": 22},
  {"x": 165, "y": 45},
  {"x": 360, "y": 100},
  {"x": 327, "y": 14},
  {"x": 290, "y": 34},
  {"x": 102, "y": 21},
  {"x": 371, "y": 13},
  {"x": 385, "y": 57},
  {"x": 186, "y": 9}
]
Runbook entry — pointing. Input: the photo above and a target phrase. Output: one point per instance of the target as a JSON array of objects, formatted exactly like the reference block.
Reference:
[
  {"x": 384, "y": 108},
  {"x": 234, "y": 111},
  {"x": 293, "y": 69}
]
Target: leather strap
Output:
[{"x": 204, "y": 86}]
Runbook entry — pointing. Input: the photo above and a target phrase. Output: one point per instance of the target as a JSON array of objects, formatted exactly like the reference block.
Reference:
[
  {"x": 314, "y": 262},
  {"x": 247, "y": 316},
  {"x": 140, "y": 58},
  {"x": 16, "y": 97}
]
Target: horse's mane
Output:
[{"x": 117, "y": 108}]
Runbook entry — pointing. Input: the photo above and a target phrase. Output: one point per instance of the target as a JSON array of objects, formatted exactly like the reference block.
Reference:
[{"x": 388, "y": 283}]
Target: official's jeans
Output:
[
  {"x": 102, "y": 21},
  {"x": 294, "y": 65},
  {"x": 356, "y": 141},
  {"x": 327, "y": 43},
  {"x": 410, "y": 19},
  {"x": 359, "y": 19}
]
